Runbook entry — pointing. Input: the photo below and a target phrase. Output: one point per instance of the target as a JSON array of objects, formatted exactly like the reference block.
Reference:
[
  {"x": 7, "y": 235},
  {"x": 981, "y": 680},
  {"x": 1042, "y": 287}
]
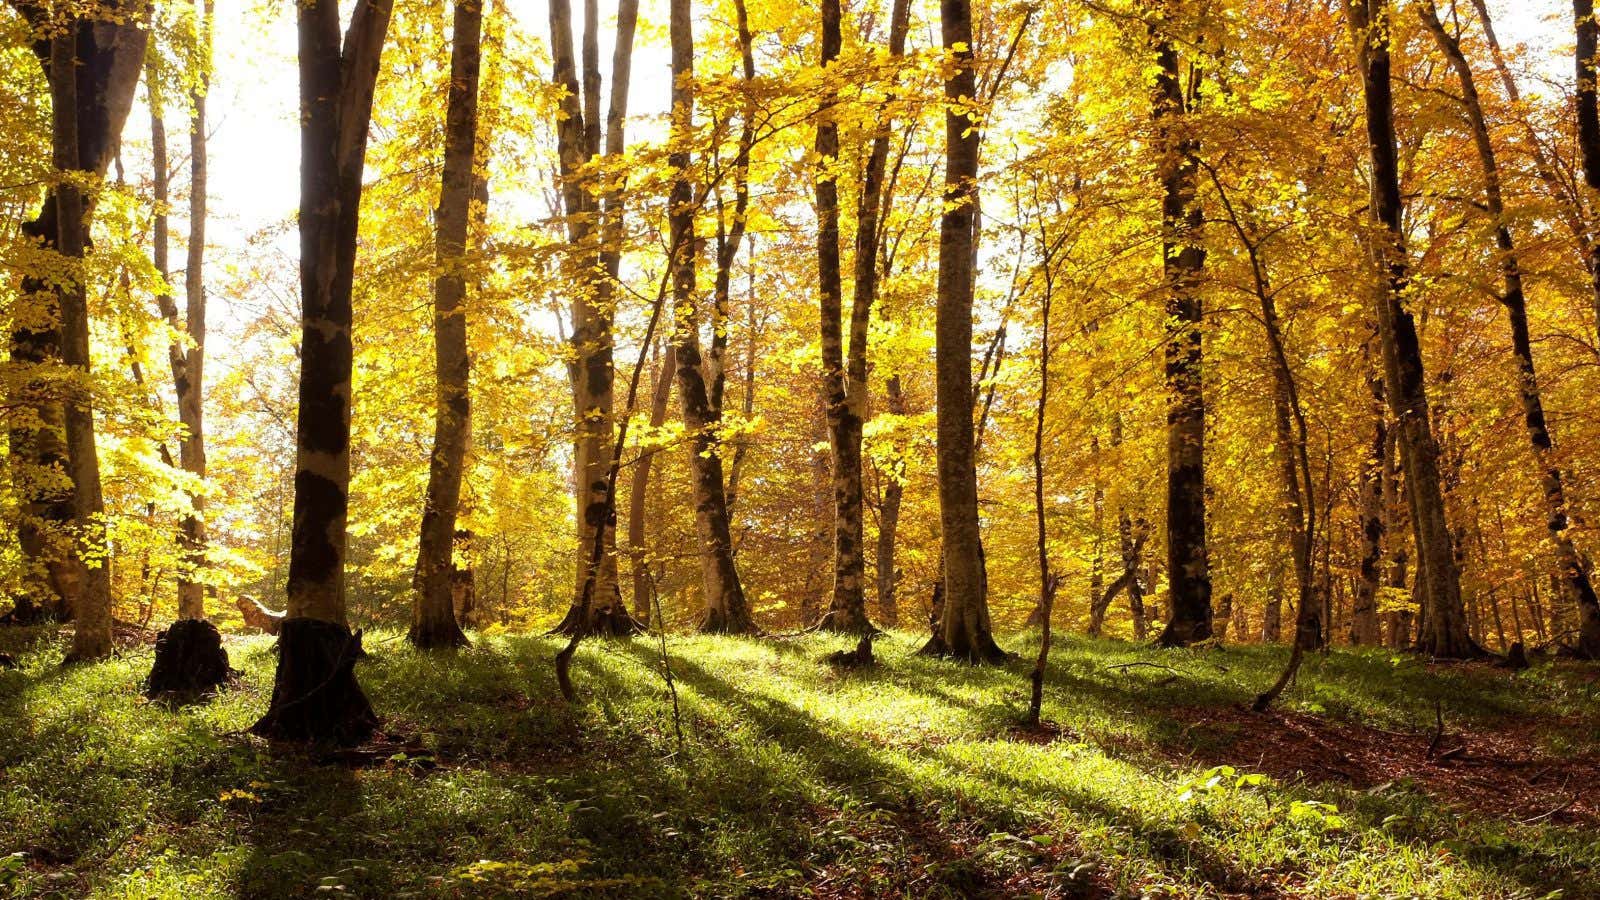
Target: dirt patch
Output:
[{"x": 1504, "y": 773}]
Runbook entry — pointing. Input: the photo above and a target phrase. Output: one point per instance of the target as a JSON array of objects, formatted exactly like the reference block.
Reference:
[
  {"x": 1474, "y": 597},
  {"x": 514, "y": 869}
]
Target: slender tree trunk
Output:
[
  {"x": 593, "y": 373},
  {"x": 187, "y": 358},
  {"x": 847, "y": 610},
  {"x": 726, "y": 609},
  {"x": 889, "y": 516},
  {"x": 92, "y": 635},
  {"x": 1445, "y": 630},
  {"x": 105, "y": 57},
  {"x": 1365, "y": 629},
  {"x": 965, "y": 631},
  {"x": 1575, "y": 581},
  {"x": 845, "y": 368},
  {"x": 315, "y": 695},
  {"x": 433, "y": 617},
  {"x": 1588, "y": 108},
  {"x": 639, "y": 492},
  {"x": 1183, "y": 267},
  {"x": 191, "y": 387}
]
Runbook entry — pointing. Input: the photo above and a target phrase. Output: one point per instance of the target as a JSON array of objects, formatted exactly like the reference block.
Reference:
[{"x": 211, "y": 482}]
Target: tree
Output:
[
  {"x": 1444, "y": 628},
  {"x": 315, "y": 695},
  {"x": 1183, "y": 268},
  {"x": 1587, "y": 103},
  {"x": 433, "y": 617},
  {"x": 593, "y": 236},
  {"x": 103, "y": 49},
  {"x": 725, "y": 608},
  {"x": 964, "y": 631},
  {"x": 186, "y": 352},
  {"x": 1574, "y": 579}
]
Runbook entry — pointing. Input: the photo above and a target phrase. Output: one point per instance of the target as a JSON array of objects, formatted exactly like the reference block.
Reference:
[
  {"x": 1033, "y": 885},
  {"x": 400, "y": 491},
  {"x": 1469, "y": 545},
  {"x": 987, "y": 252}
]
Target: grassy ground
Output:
[{"x": 910, "y": 779}]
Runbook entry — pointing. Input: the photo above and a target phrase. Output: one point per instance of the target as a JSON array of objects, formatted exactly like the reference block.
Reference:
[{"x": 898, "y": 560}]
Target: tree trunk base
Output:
[
  {"x": 445, "y": 634},
  {"x": 846, "y": 621},
  {"x": 1181, "y": 633},
  {"x": 859, "y": 658},
  {"x": 190, "y": 661},
  {"x": 718, "y": 621},
  {"x": 612, "y": 621},
  {"x": 1462, "y": 649},
  {"x": 979, "y": 649},
  {"x": 315, "y": 695}
]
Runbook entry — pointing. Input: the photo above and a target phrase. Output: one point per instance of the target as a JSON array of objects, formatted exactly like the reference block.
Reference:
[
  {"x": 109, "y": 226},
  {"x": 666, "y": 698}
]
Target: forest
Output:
[{"x": 800, "y": 448}]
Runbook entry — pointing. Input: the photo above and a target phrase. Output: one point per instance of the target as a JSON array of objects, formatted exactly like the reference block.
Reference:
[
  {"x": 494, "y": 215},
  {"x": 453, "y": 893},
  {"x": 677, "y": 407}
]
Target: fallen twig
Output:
[{"x": 1545, "y": 815}]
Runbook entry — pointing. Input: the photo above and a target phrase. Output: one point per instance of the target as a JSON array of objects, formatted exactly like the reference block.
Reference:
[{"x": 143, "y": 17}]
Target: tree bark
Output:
[
  {"x": 889, "y": 516},
  {"x": 1365, "y": 628},
  {"x": 1445, "y": 632},
  {"x": 965, "y": 630},
  {"x": 433, "y": 615},
  {"x": 1183, "y": 266},
  {"x": 1575, "y": 581},
  {"x": 847, "y": 609},
  {"x": 639, "y": 492},
  {"x": 105, "y": 54},
  {"x": 1588, "y": 109},
  {"x": 726, "y": 609},
  {"x": 315, "y": 695},
  {"x": 592, "y": 306}
]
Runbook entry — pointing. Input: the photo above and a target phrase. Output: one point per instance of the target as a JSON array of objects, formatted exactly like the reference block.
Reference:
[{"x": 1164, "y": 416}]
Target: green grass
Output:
[{"x": 794, "y": 780}]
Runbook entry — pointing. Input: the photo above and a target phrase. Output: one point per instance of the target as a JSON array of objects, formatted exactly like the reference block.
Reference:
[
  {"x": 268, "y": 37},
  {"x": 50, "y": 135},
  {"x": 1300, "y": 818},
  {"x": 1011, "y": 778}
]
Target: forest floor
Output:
[{"x": 909, "y": 779}]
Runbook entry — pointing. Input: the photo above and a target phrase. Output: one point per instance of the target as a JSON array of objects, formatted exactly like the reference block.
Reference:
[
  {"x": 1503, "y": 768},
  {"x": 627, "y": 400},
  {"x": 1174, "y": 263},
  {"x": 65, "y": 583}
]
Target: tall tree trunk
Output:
[
  {"x": 1588, "y": 106},
  {"x": 1445, "y": 629},
  {"x": 1183, "y": 267},
  {"x": 433, "y": 617},
  {"x": 965, "y": 631},
  {"x": 847, "y": 611},
  {"x": 593, "y": 372},
  {"x": 1575, "y": 581},
  {"x": 191, "y": 388},
  {"x": 105, "y": 54},
  {"x": 639, "y": 492},
  {"x": 845, "y": 368},
  {"x": 726, "y": 609},
  {"x": 315, "y": 696},
  {"x": 889, "y": 516},
  {"x": 187, "y": 359},
  {"x": 1365, "y": 628}
]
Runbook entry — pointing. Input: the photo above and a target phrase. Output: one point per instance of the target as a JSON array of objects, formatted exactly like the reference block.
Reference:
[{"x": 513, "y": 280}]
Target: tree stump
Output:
[
  {"x": 190, "y": 661},
  {"x": 315, "y": 695},
  {"x": 859, "y": 658}
]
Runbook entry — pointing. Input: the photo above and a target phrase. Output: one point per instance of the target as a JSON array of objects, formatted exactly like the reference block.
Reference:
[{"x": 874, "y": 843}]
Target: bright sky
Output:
[{"x": 254, "y": 150}]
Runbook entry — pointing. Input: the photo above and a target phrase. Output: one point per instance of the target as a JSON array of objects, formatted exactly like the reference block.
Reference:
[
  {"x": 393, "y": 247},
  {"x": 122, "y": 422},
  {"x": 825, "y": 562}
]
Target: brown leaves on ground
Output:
[{"x": 1504, "y": 773}]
